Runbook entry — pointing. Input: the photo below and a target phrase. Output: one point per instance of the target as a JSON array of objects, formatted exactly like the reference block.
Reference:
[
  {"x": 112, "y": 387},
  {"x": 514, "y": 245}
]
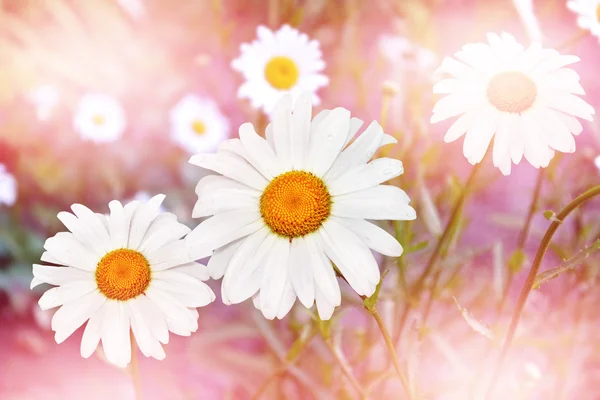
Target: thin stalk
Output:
[
  {"x": 343, "y": 363},
  {"x": 523, "y": 234},
  {"x": 416, "y": 292},
  {"x": 135, "y": 369},
  {"x": 391, "y": 349},
  {"x": 535, "y": 267}
]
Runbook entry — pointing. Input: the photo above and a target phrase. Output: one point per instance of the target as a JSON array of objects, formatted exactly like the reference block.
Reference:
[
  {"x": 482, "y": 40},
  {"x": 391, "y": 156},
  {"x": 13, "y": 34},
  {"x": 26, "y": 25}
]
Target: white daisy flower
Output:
[
  {"x": 279, "y": 62},
  {"x": 197, "y": 124},
  {"x": 99, "y": 118},
  {"x": 44, "y": 98},
  {"x": 128, "y": 270},
  {"x": 588, "y": 14},
  {"x": 597, "y": 162},
  {"x": 523, "y": 98},
  {"x": 8, "y": 187},
  {"x": 283, "y": 207}
]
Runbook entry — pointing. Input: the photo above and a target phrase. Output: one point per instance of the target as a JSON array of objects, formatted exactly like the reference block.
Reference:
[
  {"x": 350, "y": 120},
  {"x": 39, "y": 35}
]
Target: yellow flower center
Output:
[
  {"x": 123, "y": 274},
  {"x": 281, "y": 72},
  {"x": 512, "y": 91},
  {"x": 598, "y": 12},
  {"x": 295, "y": 204},
  {"x": 98, "y": 119},
  {"x": 198, "y": 127}
]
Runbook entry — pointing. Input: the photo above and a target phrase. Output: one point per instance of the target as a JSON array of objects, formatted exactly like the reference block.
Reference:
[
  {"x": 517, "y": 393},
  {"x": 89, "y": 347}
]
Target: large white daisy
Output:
[
  {"x": 588, "y": 14},
  {"x": 128, "y": 270},
  {"x": 197, "y": 124},
  {"x": 99, "y": 118},
  {"x": 523, "y": 98},
  {"x": 8, "y": 187},
  {"x": 279, "y": 62},
  {"x": 284, "y": 208}
]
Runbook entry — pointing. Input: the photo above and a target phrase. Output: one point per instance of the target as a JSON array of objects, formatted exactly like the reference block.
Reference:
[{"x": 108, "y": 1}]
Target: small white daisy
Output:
[
  {"x": 129, "y": 270},
  {"x": 197, "y": 124},
  {"x": 588, "y": 14},
  {"x": 284, "y": 208},
  {"x": 99, "y": 118},
  {"x": 44, "y": 98},
  {"x": 523, "y": 98},
  {"x": 8, "y": 187},
  {"x": 405, "y": 54},
  {"x": 279, "y": 62}
]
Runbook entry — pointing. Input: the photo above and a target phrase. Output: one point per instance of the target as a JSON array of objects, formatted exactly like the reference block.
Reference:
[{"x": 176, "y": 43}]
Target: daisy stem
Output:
[
  {"x": 545, "y": 243},
  {"x": 135, "y": 369},
  {"x": 343, "y": 363},
  {"x": 446, "y": 235},
  {"x": 391, "y": 349},
  {"x": 523, "y": 234}
]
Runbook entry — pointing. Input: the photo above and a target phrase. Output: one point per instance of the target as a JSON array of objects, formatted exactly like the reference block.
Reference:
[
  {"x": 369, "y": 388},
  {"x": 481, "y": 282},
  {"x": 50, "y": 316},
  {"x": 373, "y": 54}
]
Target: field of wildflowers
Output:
[{"x": 300, "y": 199}]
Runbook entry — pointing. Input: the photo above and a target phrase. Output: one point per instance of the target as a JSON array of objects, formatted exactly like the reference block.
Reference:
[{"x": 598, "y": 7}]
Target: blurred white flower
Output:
[
  {"x": 284, "y": 208},
  {"x": 126, "y": 272},
  {"x": 279, "y": 62},
  {"x": 597, "y": 162},
  {"x": 44, "y": 98},
  {"x": 8, "y": 187},
  {"x": 135, "y": 8},
  {"x": 523, "y": 98},
  {"x": 405, "y": 54},
  {"x": 588, "y": 14},
  {"x": 99, "y": 118},
  {"x": 197, "y": 124},
  {"x": 527, "y": 15}
]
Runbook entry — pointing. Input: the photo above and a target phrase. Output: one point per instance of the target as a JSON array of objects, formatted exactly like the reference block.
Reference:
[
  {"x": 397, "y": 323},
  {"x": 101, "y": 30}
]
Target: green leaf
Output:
[
  {"x": 569, "y": 264},
  {"x": 299, "y": 345},
  {"x": 516, "y": 261},
  {"x": 370, "y": 302},
  {"x": 416, "y": 247}
]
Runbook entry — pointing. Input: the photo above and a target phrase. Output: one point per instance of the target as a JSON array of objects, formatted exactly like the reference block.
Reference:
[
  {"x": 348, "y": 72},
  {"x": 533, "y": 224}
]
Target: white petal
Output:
[
  {"x": 217, "y": 265},
  {"x": 141, "y": 219},
  {"x": 301, "y": 275},
  {"x": 287, "y": 301},
  {"x": 327, "y": 142},
  {"x": 458, "y": 128},
  {"x": 351, "y": 256},
  {"x": 72, "y": 315},
  {"x": 555, "y": 131},
  {"x": 163, "y": 230},
  {"x": 115, "y": 334},
  {"x": 194, "y": 269},
  {"x": 480, "y": 135},
  {"x": 501, "y": 152},
  {"x": 243, "y": 276},
  {"x": 373, "y": 236},
  {"x": 119, "y": 222},
  {"x": 94, "y": 224},
  {"x": 448, "y": 107},
  {"x": 59, "y": 275},
  {"x": 323, "y": 272},
  {"x": 282, "y": 125},
  {"x": 275, "y": 278},
  {"x": 223, "y": 228},
  {"x": 324, "y": 306},
  {"x": 260, "y": 154},
  {"x": 379, "y": 202},
  {"x": 66, "y": 293},
  {"x": 173, "y": 309},
  {"x": 232, "y": 167},
  {"x": 189, "y": 291},
  {"x": 300, "y": 132},
  {"x": 148, "y": 344},
  {"x": 82, "y": 232},
  {"x": 355, "y": 125},
  {"x": 571, "y": 104},
  {"x": 168, "y": 256},
  {"x": 66, "y": 249},
  {"x": 154, "y": 319},
  {"x": 365, "y": 176},
  {"x": 359, "y": 152},
  {"x": 92, "y": 332}
]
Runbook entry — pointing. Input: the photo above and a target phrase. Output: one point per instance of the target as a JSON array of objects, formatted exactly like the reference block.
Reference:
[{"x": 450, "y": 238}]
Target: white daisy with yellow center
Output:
[
  {"x": 99, "y": 118},
  {"x": 523, "y": 98},
  {"x": 8, "y": 187},
  {"x": 284, "y": 208},
  {"x": 588, "y": 14},
  {"x": 277, "y": 63},
  {"x": 197, "y": 124},
  {"x": 128, "y": 270}
]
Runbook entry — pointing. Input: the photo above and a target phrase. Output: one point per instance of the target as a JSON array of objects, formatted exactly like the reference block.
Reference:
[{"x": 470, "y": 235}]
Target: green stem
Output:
[
  {"x": 135, "y": 369},
  {"x": 456, "y": 212},
  {"x": 391, "y": 349},
  {"x": 581, "y": 199},
  {"x": 343, "y": 363}
]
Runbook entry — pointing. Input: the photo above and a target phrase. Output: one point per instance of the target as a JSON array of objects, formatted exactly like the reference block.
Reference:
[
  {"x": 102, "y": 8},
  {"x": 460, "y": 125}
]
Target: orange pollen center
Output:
[
  {"x": 295, "y": 204},
  {"x": 512, "y": 91},
  {"x": 123, "y": 274},
  {"x": 98, "y": 119}
]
